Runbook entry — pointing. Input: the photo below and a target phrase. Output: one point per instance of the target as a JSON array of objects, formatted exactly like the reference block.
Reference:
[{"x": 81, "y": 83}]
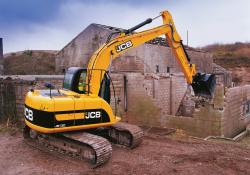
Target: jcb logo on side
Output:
[
  {"x": 123, "y": 46},
  {"x": 89, "y": 115},
  {"x": 28, "y": 113}
]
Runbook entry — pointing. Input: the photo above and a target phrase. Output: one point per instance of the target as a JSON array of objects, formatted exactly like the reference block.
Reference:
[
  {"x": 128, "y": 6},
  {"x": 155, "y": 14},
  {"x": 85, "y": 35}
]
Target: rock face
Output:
[{"x": 151, "y": 57}]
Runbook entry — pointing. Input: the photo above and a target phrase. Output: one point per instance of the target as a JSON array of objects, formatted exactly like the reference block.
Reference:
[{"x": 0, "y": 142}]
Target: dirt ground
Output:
[{"x": 156, "y": 155}]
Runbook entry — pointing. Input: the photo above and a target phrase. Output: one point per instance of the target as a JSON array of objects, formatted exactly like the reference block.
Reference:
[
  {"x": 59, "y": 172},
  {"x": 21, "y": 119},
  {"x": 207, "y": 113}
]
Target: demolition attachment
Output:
[{"x": 204, "y": 84}]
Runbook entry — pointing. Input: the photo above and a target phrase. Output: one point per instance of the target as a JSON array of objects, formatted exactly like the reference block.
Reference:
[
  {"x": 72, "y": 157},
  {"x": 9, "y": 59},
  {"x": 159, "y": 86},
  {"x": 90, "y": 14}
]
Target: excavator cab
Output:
[
  {"x": 75, "y": 80},
  {"x": 204, "y": 84}
]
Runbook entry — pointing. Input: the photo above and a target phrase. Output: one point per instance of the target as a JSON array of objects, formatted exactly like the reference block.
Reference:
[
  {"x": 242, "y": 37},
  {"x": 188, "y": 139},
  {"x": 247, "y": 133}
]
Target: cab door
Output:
[{"x": 80, "y": 88}]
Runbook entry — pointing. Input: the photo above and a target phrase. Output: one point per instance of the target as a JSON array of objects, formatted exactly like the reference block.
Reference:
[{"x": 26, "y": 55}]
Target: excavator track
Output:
[
  {"x": 81, "y": 145},
  {"x": 126, "y": 134},
  {"x": 91, "y": 146}
]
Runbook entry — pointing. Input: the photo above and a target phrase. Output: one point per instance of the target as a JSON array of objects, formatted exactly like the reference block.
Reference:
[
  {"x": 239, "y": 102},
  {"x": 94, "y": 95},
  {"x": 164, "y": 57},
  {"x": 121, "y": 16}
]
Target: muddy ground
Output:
[{"x": 156, "y": 155}]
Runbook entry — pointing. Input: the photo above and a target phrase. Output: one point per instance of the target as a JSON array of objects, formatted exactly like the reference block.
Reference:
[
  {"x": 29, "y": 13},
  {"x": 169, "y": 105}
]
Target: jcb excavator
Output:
[{"x": 78, "y": 119}]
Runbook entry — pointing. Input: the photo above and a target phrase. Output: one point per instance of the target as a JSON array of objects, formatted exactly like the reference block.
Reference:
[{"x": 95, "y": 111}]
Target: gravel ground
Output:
[{"x": 156, "y": 155}]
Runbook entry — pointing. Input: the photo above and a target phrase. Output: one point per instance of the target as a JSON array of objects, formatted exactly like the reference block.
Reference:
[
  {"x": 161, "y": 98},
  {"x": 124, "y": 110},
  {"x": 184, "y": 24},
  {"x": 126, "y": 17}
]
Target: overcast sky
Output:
[{"x": 51, "y": 24}]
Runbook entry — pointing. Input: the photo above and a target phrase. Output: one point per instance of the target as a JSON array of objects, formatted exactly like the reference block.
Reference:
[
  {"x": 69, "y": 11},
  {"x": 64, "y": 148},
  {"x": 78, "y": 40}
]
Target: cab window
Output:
[
  {"x": 82, "y": 83},
  {"x": 68, "y": 80}
]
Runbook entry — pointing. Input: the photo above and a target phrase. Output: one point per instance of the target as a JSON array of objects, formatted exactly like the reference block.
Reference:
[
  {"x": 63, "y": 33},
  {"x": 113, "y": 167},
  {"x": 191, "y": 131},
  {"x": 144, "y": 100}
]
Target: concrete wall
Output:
[
  {"x": 156, "y": 100},
  {"x": 235, "y": 118},
  {"x": 150, "y": 103},
  {"x": 224, "y": 116},
  {"x": 149, "y": 94},
  {"x": 14, "y": 88},
  {"x": 152, "y": 100},
  {"x": 222, "y": 75}
]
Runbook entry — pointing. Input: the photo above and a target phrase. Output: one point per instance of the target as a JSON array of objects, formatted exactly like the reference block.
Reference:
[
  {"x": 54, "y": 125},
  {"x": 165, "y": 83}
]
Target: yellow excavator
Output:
[{"x": 78, "y": 119}]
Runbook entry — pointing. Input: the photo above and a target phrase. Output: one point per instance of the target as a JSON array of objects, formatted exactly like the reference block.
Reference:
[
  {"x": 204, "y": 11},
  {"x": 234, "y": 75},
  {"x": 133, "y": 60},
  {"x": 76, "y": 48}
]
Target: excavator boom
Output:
[{"x": 101, "y": 59}]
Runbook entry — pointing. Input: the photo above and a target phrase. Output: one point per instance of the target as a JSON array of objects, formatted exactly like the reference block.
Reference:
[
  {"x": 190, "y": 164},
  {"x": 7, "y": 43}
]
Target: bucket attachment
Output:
[{"x": 204, "y": 84}]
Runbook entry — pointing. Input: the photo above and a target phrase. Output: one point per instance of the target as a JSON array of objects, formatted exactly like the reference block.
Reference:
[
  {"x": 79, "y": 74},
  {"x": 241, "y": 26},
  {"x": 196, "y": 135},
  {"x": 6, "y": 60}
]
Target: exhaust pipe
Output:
[{"x": 204, "y": 85}]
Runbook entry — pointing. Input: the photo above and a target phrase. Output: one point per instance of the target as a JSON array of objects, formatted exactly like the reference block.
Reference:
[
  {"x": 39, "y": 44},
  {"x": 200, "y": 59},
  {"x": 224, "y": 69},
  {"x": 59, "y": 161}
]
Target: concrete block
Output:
[{"x": 219, "y": 97}]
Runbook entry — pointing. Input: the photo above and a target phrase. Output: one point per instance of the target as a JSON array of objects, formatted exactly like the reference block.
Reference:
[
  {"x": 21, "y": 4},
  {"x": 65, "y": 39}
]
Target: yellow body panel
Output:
[
  {"x": 72, "y": 101},
  {"x": 66, "y": 108},
  {"x": 61, "y": 117}
]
